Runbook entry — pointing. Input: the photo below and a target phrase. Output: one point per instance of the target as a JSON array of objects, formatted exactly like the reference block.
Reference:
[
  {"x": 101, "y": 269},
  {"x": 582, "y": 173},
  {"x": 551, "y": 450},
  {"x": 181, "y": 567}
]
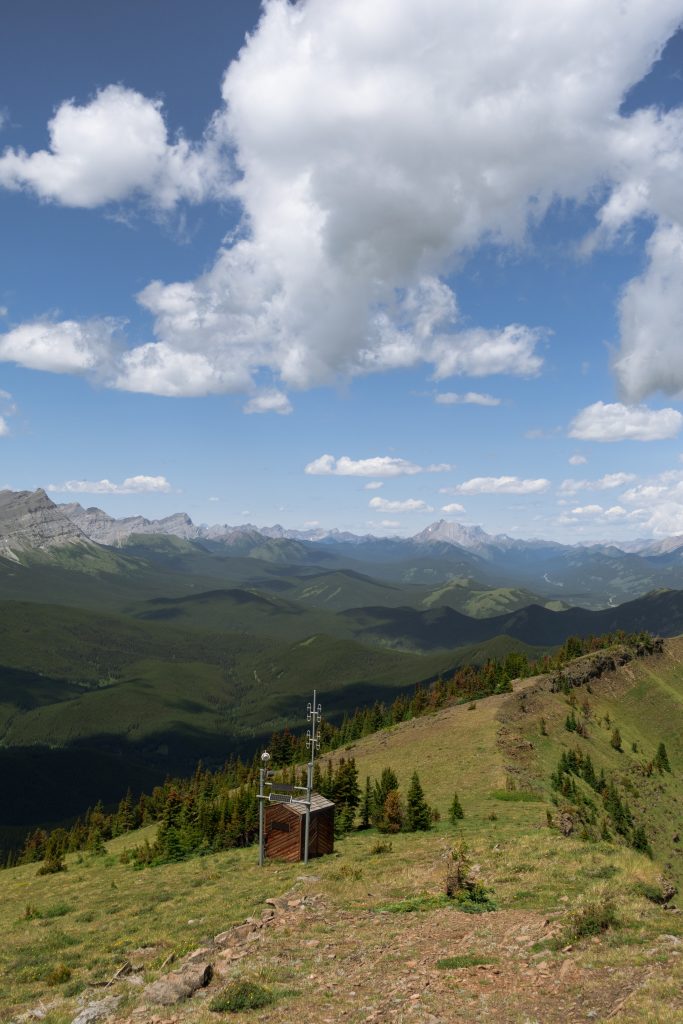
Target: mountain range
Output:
[{"x": 131, "y": 647}]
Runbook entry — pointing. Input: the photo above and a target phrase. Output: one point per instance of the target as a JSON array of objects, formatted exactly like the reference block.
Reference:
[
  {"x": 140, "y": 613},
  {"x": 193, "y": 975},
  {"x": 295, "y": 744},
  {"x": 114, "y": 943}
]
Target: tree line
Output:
[{"x": 217, "y": 809}]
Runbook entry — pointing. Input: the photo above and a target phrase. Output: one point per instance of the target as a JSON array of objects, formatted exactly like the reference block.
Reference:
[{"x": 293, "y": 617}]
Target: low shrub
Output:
[
  {"x": 594, "y": 912},
  {"x": 462, "y": 886},
  {"x": 241, "y": 995},
  {"x": 51, "y": 866},
  {"x": 58, "y": 974}
]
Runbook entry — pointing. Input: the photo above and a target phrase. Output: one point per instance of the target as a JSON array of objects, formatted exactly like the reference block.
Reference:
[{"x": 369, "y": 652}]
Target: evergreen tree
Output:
[
  {"x": 386, "y": 784},
  {"x": 95, "y": 841},
  {"x": 366, "y": 805},
  {"x": 346, "y": 789},
  {"x": 393, "y": 815},
  {"x": 125, "y": 817},
  {"x": 169, "y": 845},
  {"x": 639, "y": 841},
  {"x": 418, "y": 813},
  {"x": 616, "y": 740},
  {"x": 662, "y": 759},
  {"x": 189, "y": 829},
  {"x": 344, "y": 822},
  {"x": 455, "y": 812}
]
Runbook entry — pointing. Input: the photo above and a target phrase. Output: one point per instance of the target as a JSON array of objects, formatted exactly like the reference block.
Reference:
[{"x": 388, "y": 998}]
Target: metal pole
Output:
[
  {"x": 313, "y": 716},
  {"x": 309, "y": 781},
  {"x": 261, "y": 815}
]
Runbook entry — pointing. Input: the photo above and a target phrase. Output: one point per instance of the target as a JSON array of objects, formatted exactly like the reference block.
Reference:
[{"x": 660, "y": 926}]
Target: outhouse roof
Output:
[{"x": 318, "y": 803}]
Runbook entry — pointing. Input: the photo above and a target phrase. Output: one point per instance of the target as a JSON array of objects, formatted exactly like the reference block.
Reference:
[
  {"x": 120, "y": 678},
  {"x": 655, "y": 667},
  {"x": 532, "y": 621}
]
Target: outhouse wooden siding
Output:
[{"x": 286, "y": 829}]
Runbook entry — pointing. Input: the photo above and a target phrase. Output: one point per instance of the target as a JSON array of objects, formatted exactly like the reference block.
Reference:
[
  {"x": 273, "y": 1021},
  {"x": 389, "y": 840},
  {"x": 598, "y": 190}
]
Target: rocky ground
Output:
[{"x": 330, "y": 966}]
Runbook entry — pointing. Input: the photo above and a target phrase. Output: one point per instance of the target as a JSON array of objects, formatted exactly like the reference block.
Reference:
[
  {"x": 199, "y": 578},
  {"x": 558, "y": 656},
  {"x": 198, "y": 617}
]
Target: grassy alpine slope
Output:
[{"x": 336, "y": 952}]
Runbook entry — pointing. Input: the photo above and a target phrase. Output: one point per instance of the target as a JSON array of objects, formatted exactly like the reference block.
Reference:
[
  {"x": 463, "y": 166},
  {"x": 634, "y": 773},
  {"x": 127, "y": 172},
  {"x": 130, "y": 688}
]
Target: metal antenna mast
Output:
[
  {"x": 284, "y": 793},
  {"x": 313, "y": 715}
]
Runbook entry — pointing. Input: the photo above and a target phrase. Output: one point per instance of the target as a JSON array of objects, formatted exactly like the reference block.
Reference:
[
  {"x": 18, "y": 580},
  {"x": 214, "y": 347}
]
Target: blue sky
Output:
[{"x": 445, "y": 245}]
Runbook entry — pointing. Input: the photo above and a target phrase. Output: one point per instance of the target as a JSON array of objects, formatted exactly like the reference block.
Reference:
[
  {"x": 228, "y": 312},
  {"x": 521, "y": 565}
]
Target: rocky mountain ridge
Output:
[{"x": 30, "y": 521}]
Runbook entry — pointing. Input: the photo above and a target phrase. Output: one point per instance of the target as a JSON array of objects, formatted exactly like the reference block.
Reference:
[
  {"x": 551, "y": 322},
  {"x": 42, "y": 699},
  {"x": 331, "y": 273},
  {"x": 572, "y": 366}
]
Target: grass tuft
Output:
[
  {"x": 380, "y": 846},
  {"x": 56, "y": 910},
  {"x": 523, "y": 796},
  {"x": 449, "y": 963}
]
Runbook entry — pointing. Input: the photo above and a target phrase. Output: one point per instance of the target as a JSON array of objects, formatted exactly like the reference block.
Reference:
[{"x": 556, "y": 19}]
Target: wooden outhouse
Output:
[{"x": 285, "y": 829}]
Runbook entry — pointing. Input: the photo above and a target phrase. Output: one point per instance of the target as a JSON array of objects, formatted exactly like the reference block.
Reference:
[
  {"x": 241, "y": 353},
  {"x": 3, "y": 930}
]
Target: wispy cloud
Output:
[
  {"x": 379, "y": 465},
  {"x": 498, "y": 485},
  {"x": 7, "y": 408},
  {"x": 606, "y": 483},
  {"x": 469, "y": 398},
  {"x": 408, "y": 505},
  {"x": 269, "y": 401}
]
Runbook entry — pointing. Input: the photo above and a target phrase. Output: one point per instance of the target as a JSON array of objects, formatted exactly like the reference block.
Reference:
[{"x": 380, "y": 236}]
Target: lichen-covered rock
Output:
[
  {"x": 178, "y": 985},
  {"x": 100, "y": 1010}
]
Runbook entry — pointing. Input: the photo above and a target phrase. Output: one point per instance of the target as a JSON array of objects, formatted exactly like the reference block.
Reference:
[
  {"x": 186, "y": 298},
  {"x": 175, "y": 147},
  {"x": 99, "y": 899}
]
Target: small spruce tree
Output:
[
  {"x": 639, "y": 841},
  {"x": 662, "y": 759},
  {"x": 393, "y": 813},
  {"x": 418, "y": 813},
  {"x": 344, "y": 821},
  {"x": 387, "y": 782},
  {"x": 616, "y": 740},
  {"x": 455, "y": 811},
  {"x": 366, "y": 805}
]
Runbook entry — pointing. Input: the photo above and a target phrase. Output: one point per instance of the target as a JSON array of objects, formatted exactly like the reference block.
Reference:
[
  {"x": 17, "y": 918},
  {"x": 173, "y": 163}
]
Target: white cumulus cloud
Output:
[
  {"x": 577, "y": 460},
  {"x": 372, "y": 147},
  {"x": 501, "y": 485},
  {"x": 452, "y": 507},
  {"x": 373, "y": 485},
  {"x": 651, "y": 317},
  {"x": 65, "y": 347},
  {"x": 408, "y": 505},
  {"x": 658, "y": 502},
  {"x": 131, "y": 485},
  {"x": 380, "y": 465},
  {"x": 616, "y": 422},
  {"x": 112, "y": 148}
]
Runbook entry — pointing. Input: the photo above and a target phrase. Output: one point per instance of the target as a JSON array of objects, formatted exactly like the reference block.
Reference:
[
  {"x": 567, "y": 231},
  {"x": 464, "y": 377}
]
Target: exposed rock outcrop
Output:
[
  {"x": 30, "y": 521},
  {"x": 105, "y": 529},
  {"x": 178, "y": 985}
]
